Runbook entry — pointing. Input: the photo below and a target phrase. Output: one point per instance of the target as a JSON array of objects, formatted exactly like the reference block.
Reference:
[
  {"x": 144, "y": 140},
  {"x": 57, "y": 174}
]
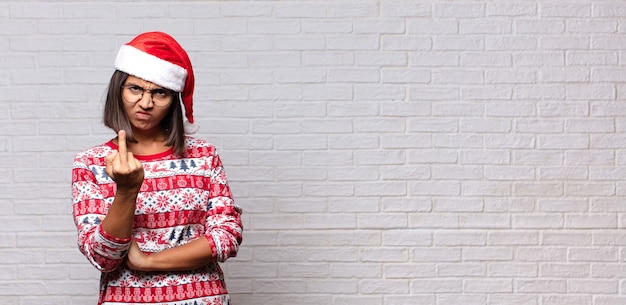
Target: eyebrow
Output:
[{"x": 130, "y": 83}]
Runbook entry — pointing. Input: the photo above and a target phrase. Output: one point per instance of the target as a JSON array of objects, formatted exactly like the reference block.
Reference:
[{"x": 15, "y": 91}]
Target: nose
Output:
[{"x": 146, "y": 100}]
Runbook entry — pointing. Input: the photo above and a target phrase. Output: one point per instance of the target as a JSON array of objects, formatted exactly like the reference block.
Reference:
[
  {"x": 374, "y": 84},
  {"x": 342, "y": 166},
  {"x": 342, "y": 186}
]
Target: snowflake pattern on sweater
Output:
[{"x": 180, "y": 200}]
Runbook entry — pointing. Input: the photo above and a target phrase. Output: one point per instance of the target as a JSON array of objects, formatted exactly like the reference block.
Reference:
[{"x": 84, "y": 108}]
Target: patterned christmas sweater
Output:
[{"x": 180, "y": 200}]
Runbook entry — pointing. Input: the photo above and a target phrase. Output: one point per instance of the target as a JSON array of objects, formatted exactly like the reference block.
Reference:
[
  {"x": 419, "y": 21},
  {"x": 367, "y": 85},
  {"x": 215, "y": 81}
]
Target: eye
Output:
[
  {"x": 161, "y": 93},
  {"x": 135, "y": 89}
]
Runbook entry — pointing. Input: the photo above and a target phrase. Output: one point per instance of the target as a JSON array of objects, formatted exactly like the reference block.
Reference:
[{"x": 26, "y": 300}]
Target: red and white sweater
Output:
[{"x": 181, "y": 199}]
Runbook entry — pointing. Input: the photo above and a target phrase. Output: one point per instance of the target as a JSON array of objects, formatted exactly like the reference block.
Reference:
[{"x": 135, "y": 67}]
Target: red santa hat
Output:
[{"x": 158, "y": 58}]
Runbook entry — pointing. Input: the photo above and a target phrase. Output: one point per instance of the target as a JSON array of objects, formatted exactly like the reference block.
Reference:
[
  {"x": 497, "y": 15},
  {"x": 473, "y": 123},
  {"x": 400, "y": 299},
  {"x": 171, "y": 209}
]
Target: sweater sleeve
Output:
[
  {"x": 223, "y": 222},
  {"x": 104, "y": 251}
]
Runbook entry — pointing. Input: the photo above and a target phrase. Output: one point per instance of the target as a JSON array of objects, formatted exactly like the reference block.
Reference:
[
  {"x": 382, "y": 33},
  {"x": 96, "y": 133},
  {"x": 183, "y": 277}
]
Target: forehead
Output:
[{"x": 141, "y": 82}]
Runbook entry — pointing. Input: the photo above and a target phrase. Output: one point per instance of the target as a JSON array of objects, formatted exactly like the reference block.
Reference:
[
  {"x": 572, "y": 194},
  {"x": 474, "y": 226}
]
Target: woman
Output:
[{"x": 152, "y": 207}]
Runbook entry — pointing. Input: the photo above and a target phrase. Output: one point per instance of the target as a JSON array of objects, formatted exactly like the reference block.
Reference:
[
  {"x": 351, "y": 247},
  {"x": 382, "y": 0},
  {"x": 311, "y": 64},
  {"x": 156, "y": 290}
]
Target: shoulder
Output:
[
  {"x": 199, "y": 147},
  {"x": 95, "y": 152}
]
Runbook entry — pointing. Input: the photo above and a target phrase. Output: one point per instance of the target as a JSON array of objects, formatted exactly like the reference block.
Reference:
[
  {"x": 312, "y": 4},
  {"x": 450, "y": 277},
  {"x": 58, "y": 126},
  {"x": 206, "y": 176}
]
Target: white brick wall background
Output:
[{"x": 385, "y": 152}]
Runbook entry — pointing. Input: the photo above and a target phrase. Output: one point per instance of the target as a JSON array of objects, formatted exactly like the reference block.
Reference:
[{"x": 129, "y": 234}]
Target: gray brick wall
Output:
[{"x": 385, "y": 152}]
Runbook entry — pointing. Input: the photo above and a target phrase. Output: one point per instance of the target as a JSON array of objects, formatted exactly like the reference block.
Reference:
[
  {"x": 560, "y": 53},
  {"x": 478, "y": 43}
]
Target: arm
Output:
[
  {"x": 103, "y": 245},
  {"x": 221, "y": 239},
  {"x": 105, "y": 252},
  {"x": 128, "y": 174},
  {"x": 186, "y": 257}
]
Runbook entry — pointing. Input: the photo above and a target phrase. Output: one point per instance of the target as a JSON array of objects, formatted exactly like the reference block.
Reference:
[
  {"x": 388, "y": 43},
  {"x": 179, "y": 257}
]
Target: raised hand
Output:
[{"x": 123, "y": 167}]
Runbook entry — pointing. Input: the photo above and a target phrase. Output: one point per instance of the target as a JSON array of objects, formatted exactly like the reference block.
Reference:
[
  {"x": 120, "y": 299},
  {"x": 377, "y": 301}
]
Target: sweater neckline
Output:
[{"x": 151, "y": 157}]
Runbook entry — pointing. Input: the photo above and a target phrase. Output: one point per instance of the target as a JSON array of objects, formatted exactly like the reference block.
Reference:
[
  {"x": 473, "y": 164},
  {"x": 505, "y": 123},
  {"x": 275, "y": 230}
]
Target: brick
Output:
[
  {"x": 564, "y": 205},
  {"x": 475, "y": 188},
  {"x": 382, "y": 26},
  {"x": 511, "y": 9},
  {"x": 541, "y": 58},
  {"x": 352, "y": 174},
  {"x": 358, "y": 270},
  {"x": 459, "y": 10},
  {"x": 459, "y": 239},
  {"x": 433, "y": 221},
  {"x": 512, "y": 238},
  {"x": 565, "y": 239},
  {"x": 432, "y": 26},
  {"x": 327, "y": 58},
  {"x": 463, "y": 298},
  {"x": 386, "y": 220},
  {"x": 402, "y": 43},
  {"x": 383, "y": 254},
  {"x": 377, "y": 92},
  {"x": 302, "y": 75},
  {"x": 480, "y": 93},
  {"x": 541, "y": 286},
  {"x": 333, "y": 286},
  {"x": 32, "y": 10},
  {"x": 488, "y": 286},
  {"x": 409, "y": 271},
  {"x": 320, "y": 26},
  {"x": 515, "y": 205},
  {"x": 454, "y": 43},
  {"x": 405, "y": 205},
  {"x": 384, "y": 287},
  {"x": 565, "y": 299},
  {"x": 435, "y": 59},
  {"x": 354, "y": 42},
  {"x": 434, "y": 188},
  {"x": 600, "y": 58},
  {"x": 566, "y": 10},
  {"x": 539, "y": 26},
  {"x": 564, "y": 42},
  {"x": 457, "y": 76},
  {"x": 510, "y": 77},
  {"x": 485, "y": 220},
  {"x": 565, "y": 75},
  {"x": 485, "y": 26},
  {"x": 327, "y": 189},
  {"x": 591, "y": 26},
  {"x": 443, "y": 286},
  {"x": 291, "y": 174},
  {"x": 568, "y": 270},
  {"x": 518, "y": 42},
  {"x": 609, "y": 9},
  {"x": 405, "y": 9},
  {"x": 487, "y": 254},
  {"x": 422, "y": 93}
]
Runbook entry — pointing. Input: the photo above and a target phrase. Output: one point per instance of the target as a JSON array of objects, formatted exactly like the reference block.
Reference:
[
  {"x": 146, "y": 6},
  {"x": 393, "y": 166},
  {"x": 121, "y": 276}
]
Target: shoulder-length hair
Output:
[{"x": 115, "y": 116}]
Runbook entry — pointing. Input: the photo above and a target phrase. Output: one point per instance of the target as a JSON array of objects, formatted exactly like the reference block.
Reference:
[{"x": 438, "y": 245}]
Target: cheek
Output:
[{"x": 161, "y": 113}]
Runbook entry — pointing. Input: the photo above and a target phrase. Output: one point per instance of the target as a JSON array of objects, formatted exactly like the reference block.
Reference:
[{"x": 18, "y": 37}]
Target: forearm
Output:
[
  {"x": 194, "y": 254},
  {"x": 120, "y": 217},
  {"x": 128, "y": 174}
]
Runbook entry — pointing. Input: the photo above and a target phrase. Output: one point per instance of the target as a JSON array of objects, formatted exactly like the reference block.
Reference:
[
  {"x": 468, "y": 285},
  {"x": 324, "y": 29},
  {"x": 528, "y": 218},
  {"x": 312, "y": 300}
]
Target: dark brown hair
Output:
[{"x": 115, "y": 115}]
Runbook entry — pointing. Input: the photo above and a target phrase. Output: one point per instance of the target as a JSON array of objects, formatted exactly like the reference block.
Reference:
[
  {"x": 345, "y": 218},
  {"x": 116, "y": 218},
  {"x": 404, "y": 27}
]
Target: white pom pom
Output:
[{"x": 190, "y": 128}]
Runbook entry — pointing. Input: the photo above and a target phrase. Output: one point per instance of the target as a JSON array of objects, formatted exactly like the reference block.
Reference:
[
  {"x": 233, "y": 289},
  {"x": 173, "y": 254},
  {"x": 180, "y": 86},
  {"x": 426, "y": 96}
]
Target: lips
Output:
[{"x": 143, "y": 115}]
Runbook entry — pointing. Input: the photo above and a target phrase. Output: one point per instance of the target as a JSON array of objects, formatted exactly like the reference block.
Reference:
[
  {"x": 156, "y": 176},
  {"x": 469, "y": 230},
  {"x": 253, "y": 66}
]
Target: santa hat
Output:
[{"x": 158, "y": 58}]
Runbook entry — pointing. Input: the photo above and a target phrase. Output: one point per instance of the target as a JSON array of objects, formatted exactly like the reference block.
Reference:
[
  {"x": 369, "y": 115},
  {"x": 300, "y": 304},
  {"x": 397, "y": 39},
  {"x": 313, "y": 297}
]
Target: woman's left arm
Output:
[
  {"x": 186, "y": 257},
  {"x": 221, "y": 239}
]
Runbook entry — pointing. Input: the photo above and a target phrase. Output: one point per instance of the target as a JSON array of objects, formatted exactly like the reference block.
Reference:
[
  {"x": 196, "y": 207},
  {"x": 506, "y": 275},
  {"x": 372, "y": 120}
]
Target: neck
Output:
[
  {"x": 156, "y": 135},
  {"x": 148, "y": 143}
]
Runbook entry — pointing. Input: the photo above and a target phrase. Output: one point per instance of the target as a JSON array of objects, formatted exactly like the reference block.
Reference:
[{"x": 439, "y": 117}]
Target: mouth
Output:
[{"x": 143, "y": 115}]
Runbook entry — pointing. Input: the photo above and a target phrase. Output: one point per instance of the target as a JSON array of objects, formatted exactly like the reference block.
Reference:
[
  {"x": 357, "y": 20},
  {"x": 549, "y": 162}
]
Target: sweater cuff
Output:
[
  {"x": 110, "y": 246},
  {"x": 213, "y": 247}
]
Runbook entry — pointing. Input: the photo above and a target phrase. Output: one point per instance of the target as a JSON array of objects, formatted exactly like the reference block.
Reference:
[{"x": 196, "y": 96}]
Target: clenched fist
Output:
[{"x": 123, "y": 167}]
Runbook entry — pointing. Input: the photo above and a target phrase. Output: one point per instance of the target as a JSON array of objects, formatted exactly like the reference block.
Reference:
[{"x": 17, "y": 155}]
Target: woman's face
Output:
[{"x": 146, "y": 104}]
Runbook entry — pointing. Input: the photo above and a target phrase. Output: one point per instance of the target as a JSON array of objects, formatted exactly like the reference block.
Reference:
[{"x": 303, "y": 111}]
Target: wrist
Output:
[{"x": 126, "y": 193}]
